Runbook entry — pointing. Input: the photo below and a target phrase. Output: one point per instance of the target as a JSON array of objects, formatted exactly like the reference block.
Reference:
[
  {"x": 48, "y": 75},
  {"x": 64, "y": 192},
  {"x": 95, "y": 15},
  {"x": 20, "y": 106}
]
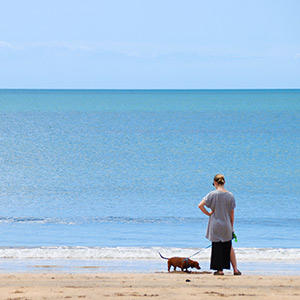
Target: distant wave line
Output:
[
  {"x": 141, "y": 220},
  {"x": 109, "y": 219}
]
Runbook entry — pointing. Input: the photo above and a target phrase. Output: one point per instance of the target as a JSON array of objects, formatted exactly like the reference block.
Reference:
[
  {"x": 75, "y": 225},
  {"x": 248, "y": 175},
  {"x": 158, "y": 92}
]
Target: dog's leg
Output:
[{"x": 169, "y": 266}]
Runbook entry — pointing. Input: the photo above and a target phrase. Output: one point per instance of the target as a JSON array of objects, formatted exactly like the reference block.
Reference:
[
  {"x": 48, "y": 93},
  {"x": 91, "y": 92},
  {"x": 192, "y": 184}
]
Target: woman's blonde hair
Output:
[{"x": 219, "y": 179}]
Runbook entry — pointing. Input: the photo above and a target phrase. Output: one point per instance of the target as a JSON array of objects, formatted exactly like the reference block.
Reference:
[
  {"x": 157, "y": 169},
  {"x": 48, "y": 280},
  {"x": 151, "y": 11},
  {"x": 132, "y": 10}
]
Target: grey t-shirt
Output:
[{"x": 219, "y": 228}]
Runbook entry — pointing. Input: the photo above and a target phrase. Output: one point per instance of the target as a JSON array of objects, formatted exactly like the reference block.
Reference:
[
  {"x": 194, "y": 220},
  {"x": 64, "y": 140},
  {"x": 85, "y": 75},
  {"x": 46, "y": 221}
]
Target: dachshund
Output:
[{"x": 181, "y": 262}]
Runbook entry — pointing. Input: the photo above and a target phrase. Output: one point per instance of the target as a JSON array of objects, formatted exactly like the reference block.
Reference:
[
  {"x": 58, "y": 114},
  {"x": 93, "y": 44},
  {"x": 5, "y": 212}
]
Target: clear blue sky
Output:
[{"x": 150, "y": 44}]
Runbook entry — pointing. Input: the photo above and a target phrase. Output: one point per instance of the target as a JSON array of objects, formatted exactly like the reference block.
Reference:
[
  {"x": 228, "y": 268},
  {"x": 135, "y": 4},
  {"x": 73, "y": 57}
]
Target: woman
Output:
[{"x": 220, "y": 226}]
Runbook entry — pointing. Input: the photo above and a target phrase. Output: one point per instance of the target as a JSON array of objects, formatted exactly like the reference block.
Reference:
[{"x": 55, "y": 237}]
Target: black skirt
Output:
[{"x": 220, "y": 255}]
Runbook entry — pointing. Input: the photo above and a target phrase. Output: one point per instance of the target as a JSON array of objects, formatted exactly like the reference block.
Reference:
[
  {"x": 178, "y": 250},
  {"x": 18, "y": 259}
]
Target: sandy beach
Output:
[{"x": 142, "y": 286}]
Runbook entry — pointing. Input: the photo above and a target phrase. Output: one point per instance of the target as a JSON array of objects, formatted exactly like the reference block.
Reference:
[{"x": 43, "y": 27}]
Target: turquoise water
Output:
[
  {"x": 109, "y": 168},
  {"x": 149, "y": 100}
]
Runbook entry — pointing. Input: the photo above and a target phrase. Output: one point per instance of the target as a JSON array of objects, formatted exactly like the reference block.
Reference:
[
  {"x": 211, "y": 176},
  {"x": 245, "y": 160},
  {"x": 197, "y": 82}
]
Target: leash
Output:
[
  {"x": 199, "y": 251},
  {"x": 234, "y": 237},
  {"x": 187, "y": 258}
]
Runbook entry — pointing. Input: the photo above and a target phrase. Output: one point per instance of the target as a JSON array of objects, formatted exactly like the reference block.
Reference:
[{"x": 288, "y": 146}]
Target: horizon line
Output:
[{"x": 149, "y": 89}]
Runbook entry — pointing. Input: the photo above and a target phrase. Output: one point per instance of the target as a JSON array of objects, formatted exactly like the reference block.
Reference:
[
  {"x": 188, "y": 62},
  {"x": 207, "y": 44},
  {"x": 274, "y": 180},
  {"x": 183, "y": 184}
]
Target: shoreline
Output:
[
  {"x": 177, "y": 285},
  {"x": 136, "y": 266}
]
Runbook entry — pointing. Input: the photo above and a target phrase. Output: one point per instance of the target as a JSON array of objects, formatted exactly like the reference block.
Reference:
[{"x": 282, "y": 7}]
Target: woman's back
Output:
[{"x": 219, "y": 225}]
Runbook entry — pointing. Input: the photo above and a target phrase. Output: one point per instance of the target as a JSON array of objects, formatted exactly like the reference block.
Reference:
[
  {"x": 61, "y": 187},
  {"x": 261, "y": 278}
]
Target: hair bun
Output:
[{"x": 219, "y": 178}]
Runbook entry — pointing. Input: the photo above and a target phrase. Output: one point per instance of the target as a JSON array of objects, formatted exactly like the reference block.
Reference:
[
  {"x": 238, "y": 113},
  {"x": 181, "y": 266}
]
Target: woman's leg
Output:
[
  {"x": 233, "y": 259},
  {"x": 234, "y": 262}
]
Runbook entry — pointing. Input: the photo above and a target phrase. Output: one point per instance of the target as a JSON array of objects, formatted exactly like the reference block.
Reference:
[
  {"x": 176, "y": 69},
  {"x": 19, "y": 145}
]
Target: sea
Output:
[{"x": 102, "y": 177}]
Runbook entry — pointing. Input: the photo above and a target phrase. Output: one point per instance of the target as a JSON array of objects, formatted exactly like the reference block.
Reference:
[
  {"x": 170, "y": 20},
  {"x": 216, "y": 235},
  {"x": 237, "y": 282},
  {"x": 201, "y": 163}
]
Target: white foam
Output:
[{"x": 95, "y": 253}]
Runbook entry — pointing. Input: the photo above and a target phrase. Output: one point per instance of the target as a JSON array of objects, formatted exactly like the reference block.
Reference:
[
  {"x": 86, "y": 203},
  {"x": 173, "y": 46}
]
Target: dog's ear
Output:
[{"x": 195, "y": 264}]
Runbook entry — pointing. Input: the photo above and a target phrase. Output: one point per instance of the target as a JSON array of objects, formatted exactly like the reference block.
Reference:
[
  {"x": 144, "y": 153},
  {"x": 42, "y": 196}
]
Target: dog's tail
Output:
[{"x": 161, "y": 256}]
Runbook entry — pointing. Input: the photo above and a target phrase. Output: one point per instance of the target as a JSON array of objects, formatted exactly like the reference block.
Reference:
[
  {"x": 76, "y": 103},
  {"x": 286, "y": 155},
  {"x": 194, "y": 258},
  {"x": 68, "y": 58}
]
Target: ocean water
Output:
[{"x": 96, "y": 174}]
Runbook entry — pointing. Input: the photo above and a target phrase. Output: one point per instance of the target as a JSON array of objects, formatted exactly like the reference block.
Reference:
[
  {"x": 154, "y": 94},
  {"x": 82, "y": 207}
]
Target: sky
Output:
[{"x": 150, "y": 44}]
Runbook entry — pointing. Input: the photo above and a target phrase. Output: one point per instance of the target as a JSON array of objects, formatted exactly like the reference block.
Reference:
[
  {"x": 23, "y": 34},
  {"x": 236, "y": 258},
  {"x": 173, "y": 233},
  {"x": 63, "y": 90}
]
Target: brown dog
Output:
[{"x": 181, "y": 262}]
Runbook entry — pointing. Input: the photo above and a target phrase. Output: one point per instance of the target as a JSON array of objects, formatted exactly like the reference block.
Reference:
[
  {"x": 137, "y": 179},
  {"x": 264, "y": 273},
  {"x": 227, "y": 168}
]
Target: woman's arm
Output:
[
  {"x": 232, "y": 218},
  {"x": 203, "y": 209}
]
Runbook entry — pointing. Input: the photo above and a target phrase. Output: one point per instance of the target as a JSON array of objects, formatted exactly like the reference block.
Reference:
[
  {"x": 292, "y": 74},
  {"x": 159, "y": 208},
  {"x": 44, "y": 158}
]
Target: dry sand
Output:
[{"x": 146, "y": 286}]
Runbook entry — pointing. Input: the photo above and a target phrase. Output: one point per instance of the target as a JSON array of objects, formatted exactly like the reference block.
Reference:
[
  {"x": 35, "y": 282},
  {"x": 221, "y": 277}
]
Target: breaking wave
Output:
[{"x": 99, "y": 253}]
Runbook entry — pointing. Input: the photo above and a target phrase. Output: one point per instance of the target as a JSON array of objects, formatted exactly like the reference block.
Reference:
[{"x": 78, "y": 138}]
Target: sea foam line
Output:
[{"x": 98, "y": 253}]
